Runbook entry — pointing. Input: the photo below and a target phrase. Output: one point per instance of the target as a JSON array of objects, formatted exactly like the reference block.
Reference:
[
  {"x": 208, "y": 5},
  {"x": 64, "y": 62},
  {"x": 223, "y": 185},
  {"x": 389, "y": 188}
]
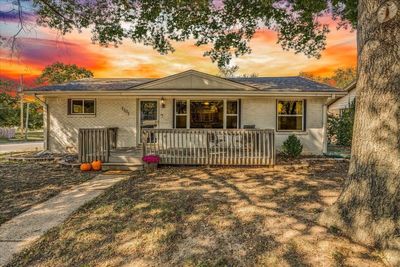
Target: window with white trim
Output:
[
  {"x": 81, "y": 106},
  {"x": 232, "y": 110},
  {"x": 290, "y": 115},
  {"x": 181, "y": 114},
  {"x": 207, "y": 114}
]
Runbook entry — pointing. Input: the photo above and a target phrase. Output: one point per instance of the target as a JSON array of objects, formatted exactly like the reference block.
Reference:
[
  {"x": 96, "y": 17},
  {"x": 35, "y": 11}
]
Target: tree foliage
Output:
[
  {"x": 341, "y": 77},
  {"x": 7, "y": 86},
  {"x": 59, "y": 72},
  {"x": 35, "y": 115},
  {"x": 10, "y": 107},
  {"x": 10, "y": 112},
  {"x": 227, "y": 26},
  {"x": 344, "y": 76},
  {"x": 228, "y": 71},
  {"x": 340, "y": 127}
]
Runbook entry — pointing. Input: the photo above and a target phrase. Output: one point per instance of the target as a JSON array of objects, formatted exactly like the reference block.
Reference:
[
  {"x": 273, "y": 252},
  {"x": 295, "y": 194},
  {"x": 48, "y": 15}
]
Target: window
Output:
[
  {"x": 181, "y": 114},
  {"x": 207, "y": 114},
  {"x": 81, "y": 106},
  {"x": 232, "y": 109},
  {"x": 290, "y": 115}
]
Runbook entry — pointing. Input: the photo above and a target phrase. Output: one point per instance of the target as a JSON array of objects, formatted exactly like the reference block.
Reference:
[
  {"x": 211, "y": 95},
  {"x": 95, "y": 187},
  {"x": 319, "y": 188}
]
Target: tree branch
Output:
[
  {"x": 21, "y": 27},
  {"x": 48, "y": 5}
]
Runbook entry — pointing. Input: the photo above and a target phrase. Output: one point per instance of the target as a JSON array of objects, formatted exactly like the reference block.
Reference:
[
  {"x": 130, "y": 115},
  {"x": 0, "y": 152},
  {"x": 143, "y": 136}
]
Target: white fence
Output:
[{"x": 7, "y": 132}]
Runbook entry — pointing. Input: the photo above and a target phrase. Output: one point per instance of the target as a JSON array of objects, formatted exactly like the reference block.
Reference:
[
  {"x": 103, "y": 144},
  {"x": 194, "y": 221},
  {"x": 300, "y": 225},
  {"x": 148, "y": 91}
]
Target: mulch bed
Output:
[{"x": 24, "y": 184}]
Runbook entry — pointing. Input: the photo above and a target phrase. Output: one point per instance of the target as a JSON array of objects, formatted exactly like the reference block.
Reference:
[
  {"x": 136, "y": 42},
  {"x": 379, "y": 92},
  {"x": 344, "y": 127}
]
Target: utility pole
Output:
[
  {"x": 26, "y": 121},
  {"x": 21, "y": 95}
]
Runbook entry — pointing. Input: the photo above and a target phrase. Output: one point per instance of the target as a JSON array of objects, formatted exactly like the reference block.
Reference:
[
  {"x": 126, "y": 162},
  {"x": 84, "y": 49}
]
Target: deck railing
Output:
[
  {"x": 210, "y": 146},
  {"x": 96, "y": 143}
]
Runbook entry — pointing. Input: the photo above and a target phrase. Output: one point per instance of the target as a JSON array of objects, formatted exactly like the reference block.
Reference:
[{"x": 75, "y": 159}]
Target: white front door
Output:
[{"x": 148, "y": 116}]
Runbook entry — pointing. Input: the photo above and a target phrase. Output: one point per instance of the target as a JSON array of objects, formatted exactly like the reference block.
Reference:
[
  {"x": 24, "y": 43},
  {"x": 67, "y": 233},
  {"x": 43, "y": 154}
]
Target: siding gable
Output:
[{"x": 195, "y": 80}]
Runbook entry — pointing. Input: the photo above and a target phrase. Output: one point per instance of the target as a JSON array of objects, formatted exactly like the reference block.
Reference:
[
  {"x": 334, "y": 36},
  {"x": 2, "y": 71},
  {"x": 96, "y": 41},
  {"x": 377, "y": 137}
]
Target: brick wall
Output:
[
  {"x": 63, "y": 128},
  {"x": 260, "y": 111}
]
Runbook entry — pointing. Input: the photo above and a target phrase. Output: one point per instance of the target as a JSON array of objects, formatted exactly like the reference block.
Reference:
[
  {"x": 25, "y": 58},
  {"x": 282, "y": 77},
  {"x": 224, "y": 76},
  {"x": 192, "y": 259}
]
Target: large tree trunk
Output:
[{"x": 368, "y": 209}]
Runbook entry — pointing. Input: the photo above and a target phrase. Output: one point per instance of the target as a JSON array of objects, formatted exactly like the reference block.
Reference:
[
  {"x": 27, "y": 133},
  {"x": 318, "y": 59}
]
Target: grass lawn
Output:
[
  {"x": 32, "y": 136},
  {"x": 206, "y": 217},
  {"x": 23, "y": 185}
]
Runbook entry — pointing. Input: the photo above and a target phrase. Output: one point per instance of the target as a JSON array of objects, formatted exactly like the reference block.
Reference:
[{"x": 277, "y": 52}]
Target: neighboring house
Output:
[
  {"x": 337, "y": 106},
  {"x": 191, "y": 99}
]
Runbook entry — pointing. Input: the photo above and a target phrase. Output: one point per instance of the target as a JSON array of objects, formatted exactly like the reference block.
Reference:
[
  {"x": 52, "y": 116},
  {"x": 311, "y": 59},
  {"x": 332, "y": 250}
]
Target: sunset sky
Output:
[{"x": 39, "y": 47}]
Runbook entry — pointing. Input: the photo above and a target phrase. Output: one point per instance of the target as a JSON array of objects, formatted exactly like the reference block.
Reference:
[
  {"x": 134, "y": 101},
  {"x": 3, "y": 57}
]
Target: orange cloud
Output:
[
  {"x": 142, "y": 70},
  {"x": 266, "y": 36},
  {"x": 340, "y": 56},
  {"x": 136, "y": 60}
]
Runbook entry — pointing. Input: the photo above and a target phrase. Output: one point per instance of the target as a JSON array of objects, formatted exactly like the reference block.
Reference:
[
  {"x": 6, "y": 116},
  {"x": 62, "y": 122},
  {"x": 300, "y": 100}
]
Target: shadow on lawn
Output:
[
  {"x": 206, "y": 217},
  {"x": 25, "y": 184}
]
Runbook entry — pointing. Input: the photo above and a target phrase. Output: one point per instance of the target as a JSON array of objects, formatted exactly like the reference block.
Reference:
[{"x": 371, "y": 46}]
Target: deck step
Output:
[
  {"x": 122, "y": 166},
  {"x": 125, "y": 159}
]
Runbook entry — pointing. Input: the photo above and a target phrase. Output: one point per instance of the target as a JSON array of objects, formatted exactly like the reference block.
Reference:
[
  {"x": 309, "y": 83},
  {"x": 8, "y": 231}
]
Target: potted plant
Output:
[{"x": 151, "y": 161}]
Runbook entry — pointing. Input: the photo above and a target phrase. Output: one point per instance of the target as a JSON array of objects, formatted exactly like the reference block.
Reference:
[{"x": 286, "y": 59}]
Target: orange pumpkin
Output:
[
  {"x": 86, "y": 167},
  {"x": 96, "y": 165}
]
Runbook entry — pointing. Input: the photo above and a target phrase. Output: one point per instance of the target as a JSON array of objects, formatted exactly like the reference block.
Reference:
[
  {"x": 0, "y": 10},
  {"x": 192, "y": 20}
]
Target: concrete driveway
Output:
[{"x": 20, "y": 147}]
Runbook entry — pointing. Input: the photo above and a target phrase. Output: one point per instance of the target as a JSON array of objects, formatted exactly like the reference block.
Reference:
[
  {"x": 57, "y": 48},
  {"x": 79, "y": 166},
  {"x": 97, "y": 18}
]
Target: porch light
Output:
[{"x": 162, "y": 102}]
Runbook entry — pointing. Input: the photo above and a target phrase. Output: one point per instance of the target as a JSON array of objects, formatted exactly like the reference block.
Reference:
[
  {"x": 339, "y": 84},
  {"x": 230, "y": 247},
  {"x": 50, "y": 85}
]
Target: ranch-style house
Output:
[{"x": 187, "y": 118}]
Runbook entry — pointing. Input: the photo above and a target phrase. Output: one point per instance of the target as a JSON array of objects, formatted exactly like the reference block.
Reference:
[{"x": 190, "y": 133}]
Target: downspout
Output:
[
  {"x": 45, "y": 122},
  {"x": 325, "y": 123},
  {"x": 324, "y": 127}
]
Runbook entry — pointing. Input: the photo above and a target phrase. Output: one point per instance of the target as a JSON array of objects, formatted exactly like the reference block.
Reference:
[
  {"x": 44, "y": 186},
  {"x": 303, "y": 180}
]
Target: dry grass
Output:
[
  {"x": 23, "y": 185},
  {"x": 32, "y": 136},
  {"x": 206, "y": 217}
]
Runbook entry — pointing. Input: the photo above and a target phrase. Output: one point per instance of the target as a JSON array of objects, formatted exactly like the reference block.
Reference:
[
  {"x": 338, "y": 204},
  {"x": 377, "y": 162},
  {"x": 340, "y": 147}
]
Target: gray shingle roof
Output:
[
  {"x": 274, "y": 84},
  {"x": 96, "y": 84},
  {"x": 293, "y": 83}
]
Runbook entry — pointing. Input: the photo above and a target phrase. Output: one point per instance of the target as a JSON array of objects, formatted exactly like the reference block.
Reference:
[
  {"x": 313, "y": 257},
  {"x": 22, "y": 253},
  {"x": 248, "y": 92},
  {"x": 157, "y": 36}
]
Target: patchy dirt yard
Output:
[
  {"x": 207, "y": 217},
  {"x": 23, "y": 185}
]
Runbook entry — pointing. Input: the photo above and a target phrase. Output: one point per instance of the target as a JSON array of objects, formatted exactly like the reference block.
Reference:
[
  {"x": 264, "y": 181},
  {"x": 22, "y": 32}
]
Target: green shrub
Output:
[
  {"x": 340, "y": 128},
  {"x": 292, "y": 147}
]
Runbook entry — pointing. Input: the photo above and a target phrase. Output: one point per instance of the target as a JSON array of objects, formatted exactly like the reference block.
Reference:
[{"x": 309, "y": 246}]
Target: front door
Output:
[{"x": 148, "y": 116}]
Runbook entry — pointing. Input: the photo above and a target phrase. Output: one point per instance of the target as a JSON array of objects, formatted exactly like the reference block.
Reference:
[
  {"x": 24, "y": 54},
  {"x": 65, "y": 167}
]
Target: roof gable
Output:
[{"x": 194, "y": 80}]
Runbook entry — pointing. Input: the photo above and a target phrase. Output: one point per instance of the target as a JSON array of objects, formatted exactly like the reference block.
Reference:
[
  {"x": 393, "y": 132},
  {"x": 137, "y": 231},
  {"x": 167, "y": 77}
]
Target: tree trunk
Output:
[{"x": 368, "y": 208}]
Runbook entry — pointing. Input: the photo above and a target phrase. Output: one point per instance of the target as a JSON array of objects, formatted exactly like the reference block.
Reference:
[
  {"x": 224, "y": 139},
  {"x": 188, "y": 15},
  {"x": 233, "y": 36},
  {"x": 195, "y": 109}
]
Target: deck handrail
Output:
[{"x": 210, "y": 146}]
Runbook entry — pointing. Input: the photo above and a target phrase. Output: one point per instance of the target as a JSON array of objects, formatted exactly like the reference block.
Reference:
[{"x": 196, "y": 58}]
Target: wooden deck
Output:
[
  {"x": 251, "y": 147},
  {"x": 126, "y": 155},
  {"x": 101, "y": 144}
]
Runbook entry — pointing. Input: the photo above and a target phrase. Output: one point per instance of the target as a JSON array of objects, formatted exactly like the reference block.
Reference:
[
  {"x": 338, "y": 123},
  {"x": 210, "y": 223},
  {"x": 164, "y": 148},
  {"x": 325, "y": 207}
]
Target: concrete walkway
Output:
[{"x": 19, "y": 232}]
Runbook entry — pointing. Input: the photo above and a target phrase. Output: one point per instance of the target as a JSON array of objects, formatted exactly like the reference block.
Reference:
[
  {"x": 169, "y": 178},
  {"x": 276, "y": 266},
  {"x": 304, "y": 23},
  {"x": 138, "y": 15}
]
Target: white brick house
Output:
[
  {"x": 337, "y": 106},
  {"x": 191, "y": 99}
]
